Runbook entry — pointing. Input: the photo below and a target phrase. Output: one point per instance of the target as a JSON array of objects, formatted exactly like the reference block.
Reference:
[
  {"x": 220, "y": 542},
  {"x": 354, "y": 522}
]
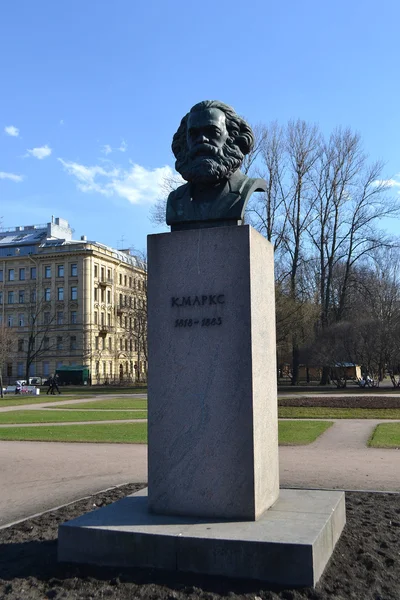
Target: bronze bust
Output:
[{"x": 209, "y": 147}]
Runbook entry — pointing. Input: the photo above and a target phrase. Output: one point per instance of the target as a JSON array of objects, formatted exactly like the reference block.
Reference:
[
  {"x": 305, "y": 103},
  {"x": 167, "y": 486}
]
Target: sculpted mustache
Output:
[{"x": 205, "y": 150}]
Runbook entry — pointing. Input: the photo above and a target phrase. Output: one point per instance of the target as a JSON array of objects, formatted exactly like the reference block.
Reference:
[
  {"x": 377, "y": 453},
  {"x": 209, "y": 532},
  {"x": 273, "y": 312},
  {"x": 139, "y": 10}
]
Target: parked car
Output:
[
  {"x": 35, "y": 380},
  {"x": 20, "y": 382}
]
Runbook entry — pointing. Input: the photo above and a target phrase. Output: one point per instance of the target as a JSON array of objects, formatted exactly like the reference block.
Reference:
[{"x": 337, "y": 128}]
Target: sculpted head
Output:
[{"x": 211, "y": 142}]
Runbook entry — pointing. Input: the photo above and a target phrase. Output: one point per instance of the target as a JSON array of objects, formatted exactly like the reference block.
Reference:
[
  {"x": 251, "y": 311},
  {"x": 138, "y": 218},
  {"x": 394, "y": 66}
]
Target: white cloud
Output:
[
  {"x": 11, "y": 130},
  {"x": 40, "y": 152},
  {"x": 106, "y": 149},
  {"x": 137, "y": 184},
  {"x": 11, "y": 176},
  {"x": 123, "y": 147}
]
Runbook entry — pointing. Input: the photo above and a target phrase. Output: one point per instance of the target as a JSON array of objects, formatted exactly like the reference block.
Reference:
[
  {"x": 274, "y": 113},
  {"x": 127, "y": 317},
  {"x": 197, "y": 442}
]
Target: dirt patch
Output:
[
  {"x": 342, "y": 401},
  {"x": 365, "y": 563}
]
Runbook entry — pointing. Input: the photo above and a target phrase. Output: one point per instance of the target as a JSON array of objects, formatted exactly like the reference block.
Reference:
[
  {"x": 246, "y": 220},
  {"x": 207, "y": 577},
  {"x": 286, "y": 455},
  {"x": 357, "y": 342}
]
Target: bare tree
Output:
[
  {"x": 40, "y": 324},
  {"x": 7, "y": 341}
]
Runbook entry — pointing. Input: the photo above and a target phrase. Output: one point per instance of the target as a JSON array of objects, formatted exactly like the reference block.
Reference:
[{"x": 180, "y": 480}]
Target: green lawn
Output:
[
  {"x": 114, "y": 403},
  {"x": 61, "y": 416},
  {"x": 296, "y": 433},
  {"x": 320, "y": 412},
  {"x": 290, "y": 432},
  {"x": 122, "y": 433},
  {"x": 386, "y": 436}
]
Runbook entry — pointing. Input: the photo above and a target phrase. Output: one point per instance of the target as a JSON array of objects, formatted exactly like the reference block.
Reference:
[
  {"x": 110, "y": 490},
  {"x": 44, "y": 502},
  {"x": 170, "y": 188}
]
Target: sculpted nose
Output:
[{"x": 202, "y": 139}]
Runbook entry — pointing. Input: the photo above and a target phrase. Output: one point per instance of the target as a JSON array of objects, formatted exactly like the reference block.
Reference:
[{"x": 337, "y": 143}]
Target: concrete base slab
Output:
[{"x": 289, "y": 545}]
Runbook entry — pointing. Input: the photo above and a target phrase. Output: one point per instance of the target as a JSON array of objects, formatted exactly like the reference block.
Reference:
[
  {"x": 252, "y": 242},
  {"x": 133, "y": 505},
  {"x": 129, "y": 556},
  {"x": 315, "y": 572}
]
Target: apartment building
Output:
[{"x": 69, "y": 302}]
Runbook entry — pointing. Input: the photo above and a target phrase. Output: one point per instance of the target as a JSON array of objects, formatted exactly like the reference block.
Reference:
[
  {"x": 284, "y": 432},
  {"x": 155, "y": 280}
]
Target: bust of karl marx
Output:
[{"x": 209, "y": 147}]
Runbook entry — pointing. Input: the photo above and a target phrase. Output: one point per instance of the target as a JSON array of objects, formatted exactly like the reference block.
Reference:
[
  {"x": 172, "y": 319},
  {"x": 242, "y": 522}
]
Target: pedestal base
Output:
[{"x": 289, "y": 545}]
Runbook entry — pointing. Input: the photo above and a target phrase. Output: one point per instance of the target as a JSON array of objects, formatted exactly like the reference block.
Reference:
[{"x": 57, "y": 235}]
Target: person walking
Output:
[
  {"x": 55, "y": 384},
  {"x": 50, "y": 384}
]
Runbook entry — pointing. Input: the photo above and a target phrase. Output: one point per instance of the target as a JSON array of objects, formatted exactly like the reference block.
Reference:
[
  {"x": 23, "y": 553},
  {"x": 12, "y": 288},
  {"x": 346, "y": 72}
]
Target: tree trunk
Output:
[
  {"x": 295, "y": 363},
  {"x": 325, "y": 378}
]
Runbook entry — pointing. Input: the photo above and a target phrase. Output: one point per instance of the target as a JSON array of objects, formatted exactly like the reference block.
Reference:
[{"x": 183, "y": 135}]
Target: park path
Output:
[
  {"x": 65, "y": 400},
  {"x": 37, "y": 476}
]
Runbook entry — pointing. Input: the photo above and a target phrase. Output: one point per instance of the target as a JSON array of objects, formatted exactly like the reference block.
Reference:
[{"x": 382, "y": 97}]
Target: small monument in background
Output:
[{"x": 213, "y": 504}]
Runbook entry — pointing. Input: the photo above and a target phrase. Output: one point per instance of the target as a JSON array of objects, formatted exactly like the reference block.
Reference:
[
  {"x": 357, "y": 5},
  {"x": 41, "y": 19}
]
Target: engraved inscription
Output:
[
  {"x": 202, "y": 323},
  {"x": 204, "y": 300}
]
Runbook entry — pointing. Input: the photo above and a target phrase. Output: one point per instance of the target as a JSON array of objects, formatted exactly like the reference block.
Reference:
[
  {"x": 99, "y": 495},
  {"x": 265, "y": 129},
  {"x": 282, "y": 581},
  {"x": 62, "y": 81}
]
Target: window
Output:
[
  {"x": 21, "y": 296},
  {"x": 74, "y": 293},
  {"x": 96, "y": 294},
  {"x": 102, "y": 317},
  {"x": 96, "y": 270},
  {"x": 22, "y": 274},
  {"x": 21, "y": 320},
  {"x": 47, "y": 293},
  {"x": 9, "y": 369},
  {"x": 20, "y": 369},
  {"x": 108, "y": 319},
  {"x": 136, "y": 346},
  {"x": 130, "y": 282},
  {"x": 134, "y": 283},
  {"x": 59, "y": 364},
  {"x": 109, "y": 274},
  {"x": 1, "y": 297},
  {"x": 46, "y": 318},
  {"x": 20, "y": 345},
  {"x": 33, "y": 296},
  {"x": 96, "y": 320},
  {"x": 109, "y": 296},
  {"x": 10, "y": 298},
  {"x": 102, "y": 293},
  {"x": 60, "y": 293},
  {"x": 73, "y": 317},
  {"x": 74, "y": 270},
  {"x": 130, "y": 345},
  {"x": 120, "y": 299},
  {"x": 125, "y": 280},
  {"x": 120, "y": 279},
  {"x": 11, "y": 274},
  {"x": 1, "y": 274},
  {"x": 46, "y": 343},
  {"x": 120, "y": 344},
  {"x": 60, "y": 270},
  {"x": 47, "y": 272},
  {"x": 134, "y": 303},
  {"x": 125, "y": 302},
  {"x": 96, "y": 343},
  {"x": 33, "y": 272},
  {"x": 111, "y": 365},
  {"x": 102, "y": 273},
  {"x": 46, "y": 368},
  {"x": 59, "y": 342},
  {"x": 73, "y": 342},
  {"x": 60, "y": 318},
  {"x": 110, "y": 343},
  {"x": 126, "y": 345}
]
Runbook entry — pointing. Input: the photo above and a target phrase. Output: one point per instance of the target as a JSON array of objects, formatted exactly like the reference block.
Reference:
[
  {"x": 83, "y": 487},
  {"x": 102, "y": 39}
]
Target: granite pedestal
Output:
[
  {"x": 212, "y": 408},
  {"x": 213, "y": 504},
  {"x": 289, "y": 545}
]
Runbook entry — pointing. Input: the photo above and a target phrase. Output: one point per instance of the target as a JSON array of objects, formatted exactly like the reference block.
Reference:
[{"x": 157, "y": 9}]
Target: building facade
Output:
[{"x": 71, "y": 303}]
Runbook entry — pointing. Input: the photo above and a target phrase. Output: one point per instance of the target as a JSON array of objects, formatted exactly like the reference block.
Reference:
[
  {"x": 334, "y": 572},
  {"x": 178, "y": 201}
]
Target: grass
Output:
[
  {"x": 386, "y": 435},
  {"x": 122, "y": 433},
  {"x": 61, "y": 416},
  {"x": 320, "y": 412},
  {"x": 296, "y": 433},
  {"x": 115, "y": 403},
  {"x": 290, "y": 433}
]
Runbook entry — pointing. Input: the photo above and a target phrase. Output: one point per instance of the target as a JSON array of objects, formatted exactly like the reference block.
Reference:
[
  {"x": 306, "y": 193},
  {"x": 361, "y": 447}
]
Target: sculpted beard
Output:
[{"x": 208, "y": 164}]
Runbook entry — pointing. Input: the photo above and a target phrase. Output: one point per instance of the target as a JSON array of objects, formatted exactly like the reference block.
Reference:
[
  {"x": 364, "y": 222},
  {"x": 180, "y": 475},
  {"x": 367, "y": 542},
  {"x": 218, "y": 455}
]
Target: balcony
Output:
[
  {"x": 105, "y": 282},
  {"x": 104, "y": 329}
]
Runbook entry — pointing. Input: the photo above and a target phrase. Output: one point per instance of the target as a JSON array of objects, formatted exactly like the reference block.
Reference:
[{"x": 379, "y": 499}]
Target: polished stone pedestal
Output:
[{"x": 289, "y": 545}]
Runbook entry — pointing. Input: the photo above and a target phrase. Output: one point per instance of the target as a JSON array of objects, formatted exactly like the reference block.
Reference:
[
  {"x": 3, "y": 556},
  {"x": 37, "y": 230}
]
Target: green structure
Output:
[{"x": 77, "y": 375}]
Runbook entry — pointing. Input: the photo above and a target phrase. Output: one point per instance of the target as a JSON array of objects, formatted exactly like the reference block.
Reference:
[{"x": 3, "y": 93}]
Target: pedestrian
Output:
[
  {"x": 50, "y": 384},
  {"x": 55, "y": 384}
]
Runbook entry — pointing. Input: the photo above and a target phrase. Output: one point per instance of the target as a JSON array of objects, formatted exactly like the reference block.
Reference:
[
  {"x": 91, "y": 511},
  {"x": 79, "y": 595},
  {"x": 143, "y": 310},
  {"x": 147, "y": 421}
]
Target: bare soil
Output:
[
  {"x": 365, "y": 564},
  {"x": 343, "y": 401}
]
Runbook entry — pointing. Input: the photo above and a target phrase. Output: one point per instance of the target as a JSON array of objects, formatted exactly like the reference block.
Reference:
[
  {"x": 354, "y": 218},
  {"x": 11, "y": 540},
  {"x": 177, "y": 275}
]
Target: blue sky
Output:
[{"x": 93, "y": 90}]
